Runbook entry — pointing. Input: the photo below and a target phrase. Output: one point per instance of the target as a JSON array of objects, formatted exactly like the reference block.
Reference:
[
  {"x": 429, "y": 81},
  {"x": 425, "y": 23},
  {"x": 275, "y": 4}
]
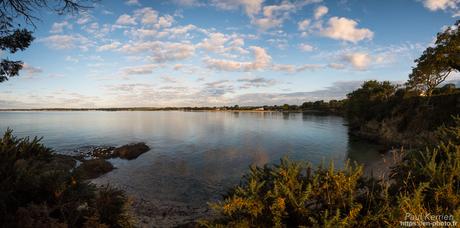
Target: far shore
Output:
[{"x": 158, "y": 109}]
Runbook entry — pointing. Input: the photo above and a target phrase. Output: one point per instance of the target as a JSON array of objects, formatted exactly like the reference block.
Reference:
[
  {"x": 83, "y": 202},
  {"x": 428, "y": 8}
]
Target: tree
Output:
[
  {"x": 15, "y": 37},
  {"x": 362, "y": 102},
  {"x": 437, "y": 63}
]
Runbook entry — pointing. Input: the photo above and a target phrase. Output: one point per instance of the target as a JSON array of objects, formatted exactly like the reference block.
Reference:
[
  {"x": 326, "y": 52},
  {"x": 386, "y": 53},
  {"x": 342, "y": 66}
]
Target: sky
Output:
[{"x": 139, "y": 53}]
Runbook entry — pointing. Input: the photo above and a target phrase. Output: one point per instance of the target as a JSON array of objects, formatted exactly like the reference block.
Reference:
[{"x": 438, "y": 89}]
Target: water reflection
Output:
[{"x": 195, "y": 155}]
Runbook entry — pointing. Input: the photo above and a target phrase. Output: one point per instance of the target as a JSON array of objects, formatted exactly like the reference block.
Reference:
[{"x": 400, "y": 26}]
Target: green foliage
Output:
[
  {"x": 294, "y": 194},
  {"x": 39, "y": 188},
  {"x": 332, "y": 106},
  {"x": 430, "y": 178},
  {"x": 20, "y": 39},
  {"x": 437, "y": 63},
  {"x": 365, "y": 102}
]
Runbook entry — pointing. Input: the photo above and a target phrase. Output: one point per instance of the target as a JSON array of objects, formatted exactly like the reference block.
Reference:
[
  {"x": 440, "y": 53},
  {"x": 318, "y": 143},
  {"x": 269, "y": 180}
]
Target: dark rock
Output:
[
  {"x": 103, "y": 152},
  {"x": 131, "y": 151},
  {"x": 91, "y": 169}
]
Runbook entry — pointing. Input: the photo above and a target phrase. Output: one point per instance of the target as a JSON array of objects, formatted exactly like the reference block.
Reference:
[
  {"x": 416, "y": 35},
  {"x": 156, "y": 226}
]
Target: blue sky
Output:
[{"x": 221, "y": 52}]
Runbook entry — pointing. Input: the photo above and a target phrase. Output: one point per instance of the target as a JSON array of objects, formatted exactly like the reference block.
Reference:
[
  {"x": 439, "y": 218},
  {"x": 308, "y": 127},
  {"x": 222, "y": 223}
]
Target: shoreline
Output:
[{"x": 320, "y": 112}]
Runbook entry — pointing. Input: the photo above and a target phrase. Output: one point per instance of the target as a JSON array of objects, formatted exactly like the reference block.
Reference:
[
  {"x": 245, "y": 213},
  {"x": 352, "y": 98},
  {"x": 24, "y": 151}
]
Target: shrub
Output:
[
  {"x": 295, "y": 194},
  {"x": 39, "y": 189}
]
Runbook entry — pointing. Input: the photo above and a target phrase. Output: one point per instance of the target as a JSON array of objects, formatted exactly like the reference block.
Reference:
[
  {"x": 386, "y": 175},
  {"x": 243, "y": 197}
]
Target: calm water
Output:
[{"x": 194, "y": 155}]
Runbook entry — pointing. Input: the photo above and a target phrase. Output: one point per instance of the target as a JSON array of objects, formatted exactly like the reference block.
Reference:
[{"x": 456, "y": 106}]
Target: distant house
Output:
[{"x": 259, "y": 109}]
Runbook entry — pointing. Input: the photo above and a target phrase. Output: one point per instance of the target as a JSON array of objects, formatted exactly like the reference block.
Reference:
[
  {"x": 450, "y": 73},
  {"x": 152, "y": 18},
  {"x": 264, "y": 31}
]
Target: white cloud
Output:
[
  {"x": 256, "y": 82},
  {"x": 261, "y": 61},
  {"x": 341, "y": 28},
  {"x": 173, "y": 52},
  {"x": 165, "y": 21},
  {"x": 434, "y": 5},
  {"x": 132, "y": 2},
  {"x": 306, "y": 47},
  {"x": 187, "y": 2},
  {"x": 359, "y": 60},
  {"x": 58, "y": 27},
  {"x": 303, "y": 25},
  {"x": 125, "y": 19},
  {"x": 135, "y": 70},
  {"x": 222, "y": 43},
  {"x": 251, "y": 7},
  {"x": 320, "y": 11},
  {"x": 71, "y": 59},
  {"x": 273, "y": 16},
  {"x": 289, "y": 68},
  {"x": 337, "y": 66},
  {"x": 159, "y": 51},
  {"x": 67, "y": 42},
  {"x": 147, "y": 15},
  {"x": 84, "y": 17},
  {"x": 169, "y": 79},
  {"x": 111, "y": 46},
  {"x": 31, "y": 70}
]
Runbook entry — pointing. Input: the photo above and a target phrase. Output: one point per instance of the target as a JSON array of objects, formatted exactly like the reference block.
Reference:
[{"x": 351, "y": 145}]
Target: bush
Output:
[
  {"x": 39, "y": 189},
  {"x": 295, "y": 194}
]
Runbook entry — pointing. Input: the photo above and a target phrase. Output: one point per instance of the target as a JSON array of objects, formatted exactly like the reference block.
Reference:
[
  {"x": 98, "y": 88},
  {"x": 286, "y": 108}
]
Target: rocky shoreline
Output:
[{"x": 93, "y": 163}]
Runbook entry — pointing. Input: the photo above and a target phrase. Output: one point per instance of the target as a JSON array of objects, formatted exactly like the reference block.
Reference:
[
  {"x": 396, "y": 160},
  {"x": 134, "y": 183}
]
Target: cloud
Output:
[
  {"x": 261, "y": 61},
  {"x": 337, "y": 66},
  {"x": 107, "y": 47},
  {"x": 359, "y": 60},
  {"x": 31, "y": 70},
  {"x": 125, "y": 19},
  {"x": 251, "y": 7},
  {"x": 289, "y": 68},
  {"x": 169, "y": 79},
  {"x": 320, "y": 11},
  {"x": 274, "y": 15},
  {"x": 306, "y": 47},
  {"x": 58, "y": 27},
  {"x": 132, "y": 2},
  {"x": 256, "y": 82},
  {"x": 341, "y": 28},
  {"x": 337, "y": 90},
  {"x": 187, "y": 2},
  {"x": 434, "y": 5},
  {"x": 136, "y": 70},
  {"x": 160, "y": 51},
  {"x": 67, "y": 42},
  {"x": 216, "y": 89},
  {"x": 173, "y": 52},
  {"x": 71, "y": 59},
  {"x": 303, "y": 25},
  {"x": 165, "y": 21},
  {"x": 147, "y": 15},
  {"x": 51, "y": 99},
  {"x": 222, "y": 44},
  {"x": 84, "y": 17}
]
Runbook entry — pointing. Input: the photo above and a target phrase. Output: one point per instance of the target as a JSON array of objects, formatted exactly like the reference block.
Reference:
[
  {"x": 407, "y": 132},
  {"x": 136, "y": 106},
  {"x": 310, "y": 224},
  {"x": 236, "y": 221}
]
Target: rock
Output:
[
  {"x": 103, "y": 152},
  {"x": 131, "y": 151},
  {"x": 91, "y": 169}
]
